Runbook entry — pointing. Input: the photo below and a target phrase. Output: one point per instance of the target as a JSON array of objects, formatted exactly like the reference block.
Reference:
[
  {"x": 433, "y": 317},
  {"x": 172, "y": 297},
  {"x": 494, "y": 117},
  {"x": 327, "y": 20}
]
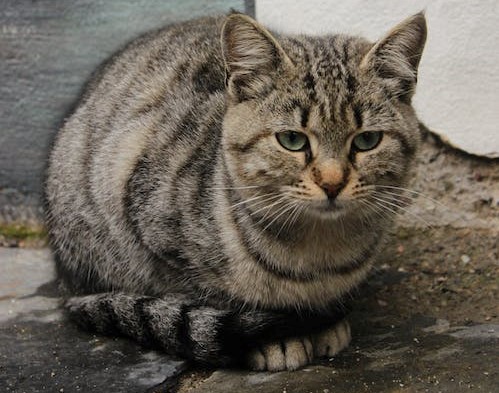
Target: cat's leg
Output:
[{"x": 293, "y": 353}]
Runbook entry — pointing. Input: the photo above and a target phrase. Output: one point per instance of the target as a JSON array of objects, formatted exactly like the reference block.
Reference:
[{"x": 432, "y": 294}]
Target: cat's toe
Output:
[
  {"x": 295, "y": 354},
  {"x": 256, "y": 360},
  {"x": 275, "y": 357},
  {"x": 331, "y": 341},
  {"x": 289, "y": 354}
]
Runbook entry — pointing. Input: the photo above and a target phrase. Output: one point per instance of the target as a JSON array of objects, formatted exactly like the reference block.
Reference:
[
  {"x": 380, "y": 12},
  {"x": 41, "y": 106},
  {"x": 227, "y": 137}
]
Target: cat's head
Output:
[{"x": 324, "y": 123}]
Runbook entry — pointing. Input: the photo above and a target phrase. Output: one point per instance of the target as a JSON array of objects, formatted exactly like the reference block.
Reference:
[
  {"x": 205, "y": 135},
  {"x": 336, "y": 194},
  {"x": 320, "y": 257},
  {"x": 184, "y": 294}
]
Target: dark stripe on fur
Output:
[
  {"x": 305, "y": 277},
  {"x": 249, "y": 144},
  {"x": 207, "y": 167},
  {"x": 175, "y": 255},
  {"x": 136, "y": 194},
  {"x": 357, "y": 114},
  {"x": 308, "y": 78},
  {"x": 187, "y": 126},
  {"x": 209, "y": 77},
  {"x": 183, "y": 332},
  {"x": 408, "y": 150},
  {"x": 144, "y": 319},
  {"x": 305, "y": 112}
]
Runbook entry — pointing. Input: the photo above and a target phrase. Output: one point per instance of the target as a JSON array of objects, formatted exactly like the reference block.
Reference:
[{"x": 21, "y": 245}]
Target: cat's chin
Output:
[{"x": 328, "y": 210}]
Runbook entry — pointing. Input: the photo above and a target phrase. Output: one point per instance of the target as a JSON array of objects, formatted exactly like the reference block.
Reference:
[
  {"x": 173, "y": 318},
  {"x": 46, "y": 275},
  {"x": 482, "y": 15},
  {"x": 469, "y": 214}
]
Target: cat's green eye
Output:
[
  {"x": 292, "y": 140},
  {"x": 367, "y": 140}
]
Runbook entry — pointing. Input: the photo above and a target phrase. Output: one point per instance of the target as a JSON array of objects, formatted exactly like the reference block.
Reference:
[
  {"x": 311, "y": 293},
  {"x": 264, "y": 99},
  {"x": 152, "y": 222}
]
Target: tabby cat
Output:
[{"x": 220, "y": 188}]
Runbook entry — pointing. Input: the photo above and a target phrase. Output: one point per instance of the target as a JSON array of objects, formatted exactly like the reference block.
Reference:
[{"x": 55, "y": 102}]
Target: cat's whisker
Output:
[
  {"x": 417, "y": 193},
  {"x": 403, "y": 210},
  {"x": 233, "y": 188},
  {"x": 267, "y": 203},
  {"x": 392, "y": 201},
  {"x": 386, "y": 210},
  {"x": 286, "y": 208},
  {"x": 299, "y": 212},
  {"x": 251, "y": 199},
  {"x": 400, "y": 200},
  {"x": 365, "y": 215},
  {"x": 294, "y": 217},
  {"x": 272, "y": 213},
  {"x": 380, "y": 212},
  {"x": 379, "y": 209},
  {"x": 402, "y": 196},
  {"x": 390, "y": 166},
  {"x": 285, "y": 221},
  {"x": 289, "y": 220},
  {"x": 280, "y": 198}
]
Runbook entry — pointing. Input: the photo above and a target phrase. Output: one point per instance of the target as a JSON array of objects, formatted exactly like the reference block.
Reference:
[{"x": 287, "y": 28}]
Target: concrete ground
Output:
[{"x": 427, "y": 320}]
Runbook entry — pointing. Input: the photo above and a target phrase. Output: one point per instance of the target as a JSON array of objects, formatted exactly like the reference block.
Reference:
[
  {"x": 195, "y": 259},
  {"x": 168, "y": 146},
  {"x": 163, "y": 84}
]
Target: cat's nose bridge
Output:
[{"x": 329, "y": 171}]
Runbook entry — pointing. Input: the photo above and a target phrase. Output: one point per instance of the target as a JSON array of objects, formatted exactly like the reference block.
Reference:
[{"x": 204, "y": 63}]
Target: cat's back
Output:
[{"x": 186, "y": 54}]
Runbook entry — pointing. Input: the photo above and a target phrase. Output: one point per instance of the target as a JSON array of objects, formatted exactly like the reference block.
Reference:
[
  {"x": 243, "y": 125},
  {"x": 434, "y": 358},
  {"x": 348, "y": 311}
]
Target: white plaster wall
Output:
[{"x": 458, "y": 89}]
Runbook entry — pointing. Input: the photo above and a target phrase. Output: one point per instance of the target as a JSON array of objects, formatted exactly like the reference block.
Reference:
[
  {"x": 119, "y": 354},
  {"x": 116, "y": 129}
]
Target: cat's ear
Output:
[
  {"x": 396, "y": 57},
  {"x": 251, "y": 56}
]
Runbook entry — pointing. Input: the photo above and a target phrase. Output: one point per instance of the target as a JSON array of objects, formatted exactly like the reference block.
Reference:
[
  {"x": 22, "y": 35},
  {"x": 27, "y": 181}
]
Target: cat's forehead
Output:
[
  {"x": 333, "y": 60},
  {"x": 328, "y": 86}
]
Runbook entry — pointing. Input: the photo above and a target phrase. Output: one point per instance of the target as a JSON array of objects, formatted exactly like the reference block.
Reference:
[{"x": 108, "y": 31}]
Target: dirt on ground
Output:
[
  {"x": 451, "y": 188},
  {"x": 444, "y": 272}
]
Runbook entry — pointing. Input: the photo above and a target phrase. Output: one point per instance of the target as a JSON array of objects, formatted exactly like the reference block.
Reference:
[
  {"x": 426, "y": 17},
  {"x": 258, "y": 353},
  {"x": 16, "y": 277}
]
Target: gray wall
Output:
[{"x": 48, "y": 49}]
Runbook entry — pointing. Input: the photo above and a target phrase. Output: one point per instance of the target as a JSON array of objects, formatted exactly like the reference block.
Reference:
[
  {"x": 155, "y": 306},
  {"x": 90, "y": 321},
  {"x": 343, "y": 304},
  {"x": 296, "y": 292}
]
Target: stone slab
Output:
[{"x": 42, "y": 352}]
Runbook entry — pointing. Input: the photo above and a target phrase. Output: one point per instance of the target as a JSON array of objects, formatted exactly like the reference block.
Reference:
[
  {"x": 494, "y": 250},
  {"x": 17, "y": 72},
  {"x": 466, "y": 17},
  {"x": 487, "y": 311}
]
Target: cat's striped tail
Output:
[{"x": 178, "y": 326}]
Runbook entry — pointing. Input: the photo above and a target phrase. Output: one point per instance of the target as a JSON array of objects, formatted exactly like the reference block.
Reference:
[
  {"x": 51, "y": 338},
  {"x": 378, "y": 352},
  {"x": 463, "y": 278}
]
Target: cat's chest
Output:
[
  {"x": 259, "y": 285},
  {"x": 312, "y": 272},
  {"x": 318, "y": 251}
]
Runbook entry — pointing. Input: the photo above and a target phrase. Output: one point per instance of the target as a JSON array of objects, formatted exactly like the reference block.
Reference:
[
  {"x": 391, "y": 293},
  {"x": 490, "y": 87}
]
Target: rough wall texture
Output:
[
  {"x": 458, "y": 92},
  {"x": 48, "y": 48}
]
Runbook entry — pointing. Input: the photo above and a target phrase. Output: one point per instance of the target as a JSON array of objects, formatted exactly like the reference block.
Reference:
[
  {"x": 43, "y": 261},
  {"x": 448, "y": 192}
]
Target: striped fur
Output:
[{"x": 178, "y": 219}]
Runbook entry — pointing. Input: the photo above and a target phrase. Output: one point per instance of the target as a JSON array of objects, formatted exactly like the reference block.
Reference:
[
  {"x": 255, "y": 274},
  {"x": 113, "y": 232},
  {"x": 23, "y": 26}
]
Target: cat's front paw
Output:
[
  {"x": 289, "y": 354},
  {"x": 332, "y": 340},
  {"x": 293, "y": 353}
]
